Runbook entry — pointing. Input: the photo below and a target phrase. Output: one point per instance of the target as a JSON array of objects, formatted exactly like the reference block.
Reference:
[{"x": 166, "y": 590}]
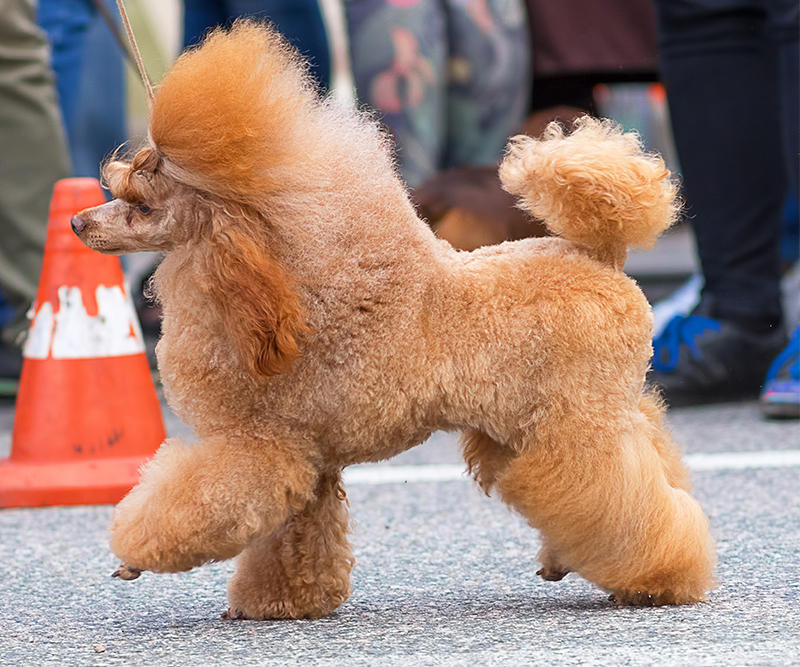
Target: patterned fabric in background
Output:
[{"x": 450, "y": 77}]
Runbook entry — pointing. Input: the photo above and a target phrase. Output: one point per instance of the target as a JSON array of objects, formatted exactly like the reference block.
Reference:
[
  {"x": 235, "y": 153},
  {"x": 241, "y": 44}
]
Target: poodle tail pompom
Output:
[{"x": 595, "y": 186}]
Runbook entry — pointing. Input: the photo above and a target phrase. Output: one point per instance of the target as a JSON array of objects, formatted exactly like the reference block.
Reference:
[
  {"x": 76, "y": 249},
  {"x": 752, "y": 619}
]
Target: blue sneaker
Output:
[
  {"x": 681, "y": 302},
  {"x": 781, "y": 395},
  {"x": 699, "y": 360}
]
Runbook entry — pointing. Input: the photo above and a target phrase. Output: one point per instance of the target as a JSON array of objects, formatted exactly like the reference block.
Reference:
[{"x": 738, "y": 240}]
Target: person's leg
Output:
[
  {"x": 781, "y": 394},
  {"x": 98, "y": 125},
  {"x": 300, "y": 21},
  {"x": 785, "y": 26},
  {"x": 486, "y": 99},
  {"x": 66, "y": 23},
  {"x": 721, "y": 71},
  {"x": 90, "y": 79},
  {"x": 721, "y": 66},
  {"x": 199, "y": 16},
  {"x": 33, "y": 155},
  {"x": 398, "y": 56},
  {"x": 489, "y": 79}
]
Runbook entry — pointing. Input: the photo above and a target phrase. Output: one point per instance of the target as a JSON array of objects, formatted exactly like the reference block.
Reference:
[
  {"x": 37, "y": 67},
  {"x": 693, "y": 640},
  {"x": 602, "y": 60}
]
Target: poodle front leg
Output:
[
  {"x": 609, "y": 504},
  {"x": 204, "y": 502},
  {"x": 301, "y": 570}
]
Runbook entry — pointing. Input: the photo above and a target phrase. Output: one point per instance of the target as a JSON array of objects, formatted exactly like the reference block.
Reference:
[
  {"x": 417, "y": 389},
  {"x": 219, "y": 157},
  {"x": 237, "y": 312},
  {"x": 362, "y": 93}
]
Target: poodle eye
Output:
[{"x": 144, "y": 209}]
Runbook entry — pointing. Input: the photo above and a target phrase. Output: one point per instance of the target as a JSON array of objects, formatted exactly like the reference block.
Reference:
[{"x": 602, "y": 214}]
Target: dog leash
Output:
[{"x": 133, "y": 57}]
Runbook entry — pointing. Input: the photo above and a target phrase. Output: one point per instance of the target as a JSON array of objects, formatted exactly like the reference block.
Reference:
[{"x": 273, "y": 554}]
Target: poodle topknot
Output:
[{"x": 313, "y": 321}]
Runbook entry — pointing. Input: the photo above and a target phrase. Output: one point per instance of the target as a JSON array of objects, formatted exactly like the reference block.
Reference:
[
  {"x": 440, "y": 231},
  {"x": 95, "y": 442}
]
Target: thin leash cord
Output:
[{"x": 136, "y": 58}]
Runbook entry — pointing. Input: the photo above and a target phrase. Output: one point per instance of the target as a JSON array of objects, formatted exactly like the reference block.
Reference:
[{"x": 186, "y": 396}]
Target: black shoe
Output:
[
  {"x": 10, "y": 369},
  {"x": 699, "y": 360}
]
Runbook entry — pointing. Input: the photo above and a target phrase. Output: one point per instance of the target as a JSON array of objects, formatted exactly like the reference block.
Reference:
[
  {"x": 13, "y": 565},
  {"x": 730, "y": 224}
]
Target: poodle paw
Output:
[
  {"x": 144, "y": 538},
  {"x": 232, "y": 614},
  {"x": 552, "y": 574},
  {"x": 127, "y": 573},
  {"x": 639, "y": 598}
]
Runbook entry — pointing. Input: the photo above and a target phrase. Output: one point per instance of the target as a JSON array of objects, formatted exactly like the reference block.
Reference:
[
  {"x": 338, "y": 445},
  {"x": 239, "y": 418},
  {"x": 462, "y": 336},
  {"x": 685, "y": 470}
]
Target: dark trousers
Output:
[
  {"x": 731, "y": 71},
  {"x": 300, "y": 21}
]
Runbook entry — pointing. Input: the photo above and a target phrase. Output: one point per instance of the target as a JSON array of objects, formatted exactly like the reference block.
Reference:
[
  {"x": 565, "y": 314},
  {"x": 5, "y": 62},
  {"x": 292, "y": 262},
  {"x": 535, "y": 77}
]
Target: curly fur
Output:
[
  {"x": 313, "y": 321},
  {"x": 631, "y": 204}
]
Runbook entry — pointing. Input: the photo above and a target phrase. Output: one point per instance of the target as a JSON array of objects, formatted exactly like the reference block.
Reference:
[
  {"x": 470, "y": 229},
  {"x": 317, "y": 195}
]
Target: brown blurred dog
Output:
[{"x": 468, "y": 207}]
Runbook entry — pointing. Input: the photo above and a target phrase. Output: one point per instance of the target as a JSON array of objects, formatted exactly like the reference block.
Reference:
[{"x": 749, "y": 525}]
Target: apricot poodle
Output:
[{"x": 313, "y": 321}]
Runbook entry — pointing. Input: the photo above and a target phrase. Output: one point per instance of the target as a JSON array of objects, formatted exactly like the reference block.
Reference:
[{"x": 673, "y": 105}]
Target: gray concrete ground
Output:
[{"x": 444, "y": 576}]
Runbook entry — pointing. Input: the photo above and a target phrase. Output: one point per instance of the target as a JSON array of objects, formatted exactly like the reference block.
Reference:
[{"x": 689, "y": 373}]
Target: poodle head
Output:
[
  {"x": 228, "y": 124},
  {"x": 234, "y": 251},
  {"x": 151, "y": 209},
  {"x": 226, "y": 128}
]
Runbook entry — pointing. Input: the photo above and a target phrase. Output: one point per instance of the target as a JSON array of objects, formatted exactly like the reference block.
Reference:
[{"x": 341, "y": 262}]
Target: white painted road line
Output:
[
  {"x": 788, "y": 458},
  {"x": 389, "y": 474}
]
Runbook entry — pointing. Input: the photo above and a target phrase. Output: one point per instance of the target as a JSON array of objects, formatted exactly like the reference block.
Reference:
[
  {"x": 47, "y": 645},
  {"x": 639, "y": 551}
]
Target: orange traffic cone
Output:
[{"x": 87, "y": 414}]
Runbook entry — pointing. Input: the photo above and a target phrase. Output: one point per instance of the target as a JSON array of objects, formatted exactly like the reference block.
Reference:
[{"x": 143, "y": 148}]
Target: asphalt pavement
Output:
[{"x": 444, "y": 576}]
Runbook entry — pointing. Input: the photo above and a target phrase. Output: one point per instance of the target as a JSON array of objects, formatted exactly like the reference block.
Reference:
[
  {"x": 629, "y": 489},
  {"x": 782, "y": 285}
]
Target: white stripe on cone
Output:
[{"x": 71, "y": 333}]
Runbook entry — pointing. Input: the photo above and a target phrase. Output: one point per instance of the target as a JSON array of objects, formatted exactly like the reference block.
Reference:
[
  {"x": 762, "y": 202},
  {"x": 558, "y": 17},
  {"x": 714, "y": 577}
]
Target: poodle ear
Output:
[{"x": 261, "y": 310}]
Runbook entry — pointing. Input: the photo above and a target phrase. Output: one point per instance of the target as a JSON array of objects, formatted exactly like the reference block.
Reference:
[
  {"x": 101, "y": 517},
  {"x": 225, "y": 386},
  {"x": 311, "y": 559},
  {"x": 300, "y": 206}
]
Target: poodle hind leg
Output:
[
  {"x": 486, "y": 460},
  {"x": 553, "y": 568},
  {"x": 301, "y": 570},
  {"x": 611, "y": 506},
  {"x": 200, "y": 503}
]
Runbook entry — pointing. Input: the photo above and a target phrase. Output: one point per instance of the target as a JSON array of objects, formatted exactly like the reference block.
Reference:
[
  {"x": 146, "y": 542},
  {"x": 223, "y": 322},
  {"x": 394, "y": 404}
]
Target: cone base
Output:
[{"x": 96, "y": 482}]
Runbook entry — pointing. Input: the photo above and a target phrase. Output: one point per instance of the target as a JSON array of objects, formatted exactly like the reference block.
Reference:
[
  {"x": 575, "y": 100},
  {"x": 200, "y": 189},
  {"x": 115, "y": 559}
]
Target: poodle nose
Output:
[{"x": 78, "y": 225}]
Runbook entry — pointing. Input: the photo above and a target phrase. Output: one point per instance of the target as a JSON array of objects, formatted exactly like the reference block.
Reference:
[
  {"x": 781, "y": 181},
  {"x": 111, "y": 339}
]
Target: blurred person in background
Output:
[
  {"x": 574, "y": 45},
  {"x": 451, "y": 78},
  {"x": 300, "y": 21},
  {"x": 90, "y": 78},
  {"x": 731, "y": 70},
  {"x": 33, "y": 156}
]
